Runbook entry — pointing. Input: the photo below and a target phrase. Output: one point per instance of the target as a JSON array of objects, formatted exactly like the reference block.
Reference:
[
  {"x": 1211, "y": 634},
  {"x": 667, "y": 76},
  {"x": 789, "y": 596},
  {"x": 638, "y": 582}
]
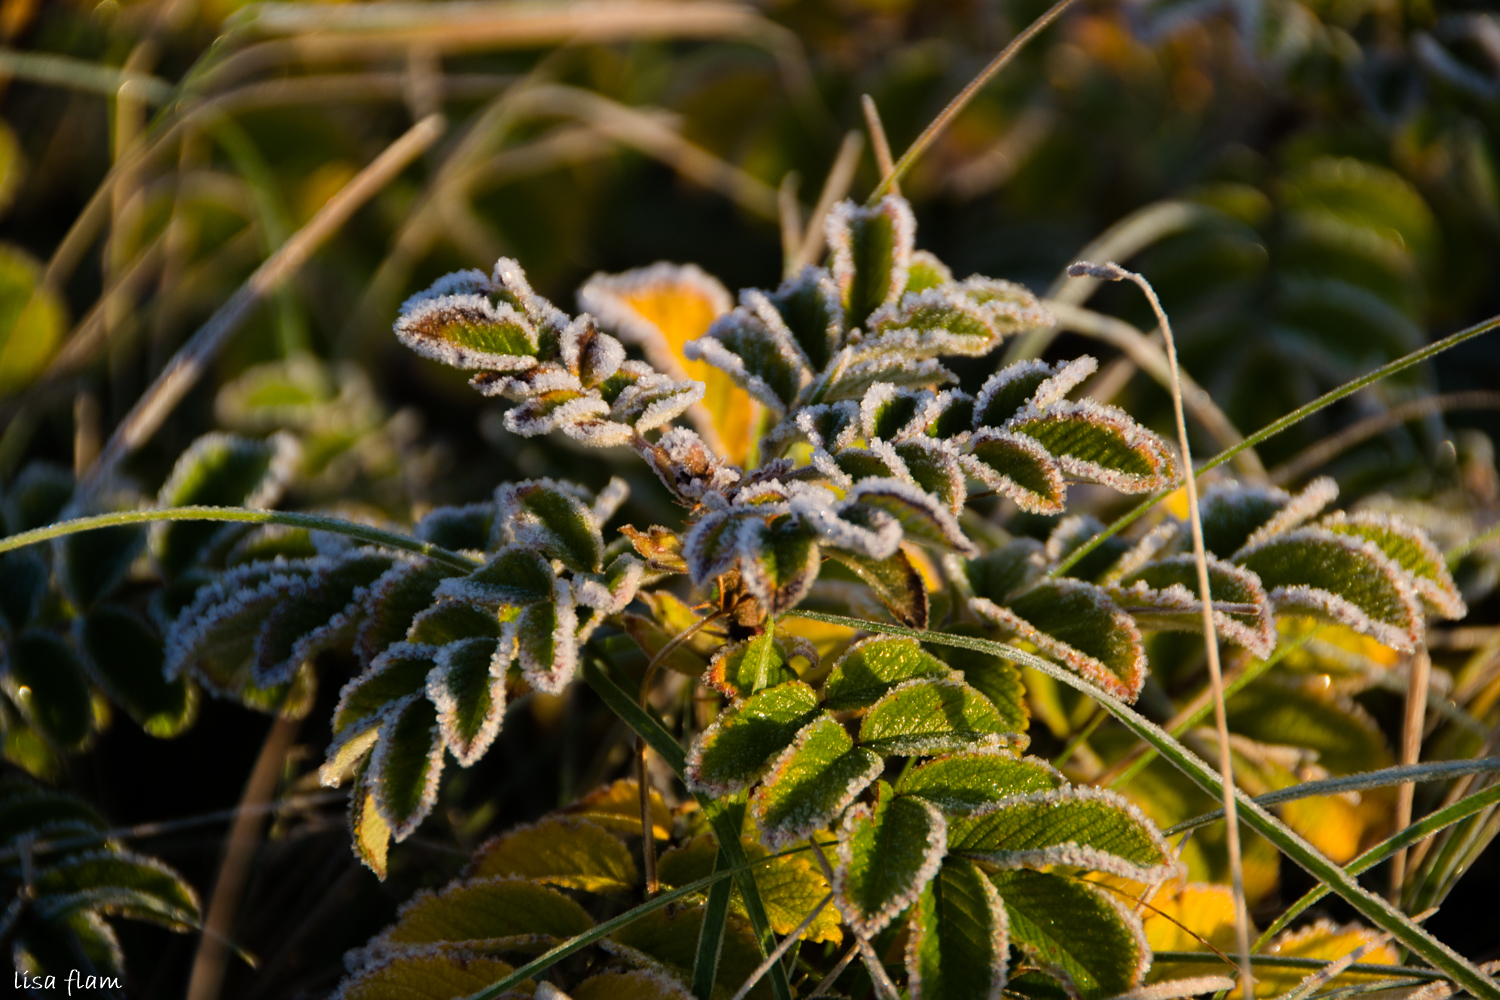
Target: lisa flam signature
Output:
[{"x": 73, "y": 980}]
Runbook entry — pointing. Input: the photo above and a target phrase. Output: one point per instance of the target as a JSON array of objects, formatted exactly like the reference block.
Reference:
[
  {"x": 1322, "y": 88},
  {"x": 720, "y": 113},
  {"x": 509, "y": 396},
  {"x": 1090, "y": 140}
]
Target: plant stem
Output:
[
  {"x": 880, "y": 143},
  {"x": 1205, "y": 598},
  {"x": 1420, "y": 668},
  {"x": 314, "y": 522}
]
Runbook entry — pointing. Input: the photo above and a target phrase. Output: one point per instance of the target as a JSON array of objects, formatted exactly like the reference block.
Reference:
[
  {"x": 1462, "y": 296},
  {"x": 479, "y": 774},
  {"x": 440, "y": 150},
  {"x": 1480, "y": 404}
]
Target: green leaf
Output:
[
  {"x": 966, "y": 782},
  {"x": 1077, "y": 623},
  {"x": 406, "y": 765},
  {"x": 453, "y": 324},
  {"x": 1338, "y": 578},
  {"x": 1008, "y": 568},
  {"x": 468, "y": 687},
  {"x": 1412, "y": 550},
  {"x": 29, "y": 811},
  {"x": 872, "y": 667},
  {"x": 481, "y": 909},
  {"x": 639, "y": 985},
  {"x": 790, "y": 885},
  {"x": 1018, "y": 468},
  {"x": 320, "y": 614},
  {"x": 125, "y": 657},
  {"x": 1008, "y": 391},
  {"x": 1088, "y": 828},
  {"x": 923, "y": 519},
  {"x": 926, "y": 717},
  {"x": 218, "y": 470},
  {"x": 778, "y": 562},
  {"x": 871, "y": 254},
  {"x": 743, "y": 668},
  {"x": 1231, "y": 513},
  {"x": 392, "y": 602},
  {"x": 934, "y": 466},
  {"x": 959, "y": 942},
  {"x": 894, "y": 580},
  {"x": 939, "y": 320},
  {"x": 458, "y": 528},
  {"x": 998, "y": 680},
  {"x": 1078, "y": 933},
  {"x": 514, "y": 575},
  {"x": 55, "y": 947},
  {"x": 757, "y": 351},
  {"x": 812, "y": 781},
  {"x": 424, "y": 977},
  {"x": 1100, "y": 443},
  {"x": 44, "y": 679},
  {"x": 541, "y": 514},
  {"x": 401, "y": 670},
  {"x": 1164, "y": 594},
  {"x": 570, "y": 853},
  {"x": 451, "y": 621},
  {"x": 888, "y": 851},
  {"x": 742, "y": 743},
  {"x": 131, "y": 885},
  {"x": 32, "y": 319},
  {"x": 810, "y": 306},
  {"x": 370, "y": 833},
  {"x": 547, "y": 642}
]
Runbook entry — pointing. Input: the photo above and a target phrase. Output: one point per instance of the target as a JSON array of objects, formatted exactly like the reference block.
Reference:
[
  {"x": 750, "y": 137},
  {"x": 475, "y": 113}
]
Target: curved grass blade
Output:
[
  {"x": 1277, "y": 426},
  {"x": 1292, "y": 962},
  {"x": 1382, "y": 778},
  {"x": 316, "y": 522},
  {"x": 1371, "y": 907}
]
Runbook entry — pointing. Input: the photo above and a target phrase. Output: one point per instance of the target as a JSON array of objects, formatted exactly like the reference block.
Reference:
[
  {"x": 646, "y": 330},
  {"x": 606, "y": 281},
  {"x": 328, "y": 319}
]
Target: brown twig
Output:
[{"x": 210, "y": 962}]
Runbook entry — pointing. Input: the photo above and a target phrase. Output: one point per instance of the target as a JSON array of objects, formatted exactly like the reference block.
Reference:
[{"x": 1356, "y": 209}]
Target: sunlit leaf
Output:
[
  {"x": 959, "y": 937},
  {"x": 569, "y": 853},
  {"x": 811, "y": 782},
  {"x": 1076, "y": 932}
]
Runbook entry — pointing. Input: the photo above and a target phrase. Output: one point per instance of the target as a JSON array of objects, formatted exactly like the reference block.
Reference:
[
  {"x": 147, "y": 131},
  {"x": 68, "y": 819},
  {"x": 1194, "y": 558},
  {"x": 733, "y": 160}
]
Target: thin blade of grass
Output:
[
  {"x": 1289, "y": 842},
  {"x": 315, "y": 522},
  {"x": 1383, "y": 778}
]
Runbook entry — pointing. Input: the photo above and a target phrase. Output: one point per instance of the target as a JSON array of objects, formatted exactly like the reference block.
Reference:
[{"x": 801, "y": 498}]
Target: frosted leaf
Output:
[
  {"x": 711, "y": 547},
  {"x": 548, "y": 516},
  {"x": 653, "y": 401},
  {"x": 959, "y": 938},
  {"x": 615, "y": 588},
  {"x": 508, "y": 282},
  {"x": 1006, "y": 569},
  {"x": 763, "y": 360},
  {"x": 777, "y": 564},
  {"x": 1231, "y": 513},
  {"x": 871, "y": 254},
  {"x": 872, "y": 667},
  {"x": 1412, "y": 549},
  {"x": 588, "y": 354},
  {"x": 857, "y": 368},
  {"x": 1018, "y": 468},
  {"x": 320, "y": 614},
  {"x": 660, "y": 547},
  {"x": 1298, "y": 509},
  {"x": 608, "y": 502},
  {"x": 934, "y": 466},
  {"x": 810, "y": 307},
  {"x": 1076, "y": 932},
  {"x": 544, "y": 379},
  {"x": 1081, "y": 827},
  {"x": 743, "y": 742},
  {"x": 876, "y": 537},
  {"x": 812, "y": 782},
  {"x": 928, "y": 716},
  {"x": 1006, "y": 393},
  {"x": 224, "y": 617},
  {"x": 1151, "y": 544},
  {"x": 887, "y": 853},
  {"x": 936, "y": 321},
  {"x": 926, "y": 271},
  {"x": 547, "y": 640},
  {"x": 922, "y": 518},
  {"x": 458, "y": 528},
  {"x": 1069, "y": 375},
  {"x": 406, "y": 765},
  {"x": 1339, "y": 578},
  {"x": 1011, "y": 307},
  {"x": 741, "y": 669},
  {"x": 469, "y": 331},
  {"x": 556, "y": 411},
  {"x": 1165, "y": 595},
  {"x": 516, "y": 574},
  {"x": 400, "y": 670},
  {"x": 467, "y": 687},
  {"x": 1078, "y": 624},
  {"x": 599, "y": 433},
  {"x": 1094, "y": 441},
  {"x": 961, "y": 783},
  {"x": 467, "y": 282}
]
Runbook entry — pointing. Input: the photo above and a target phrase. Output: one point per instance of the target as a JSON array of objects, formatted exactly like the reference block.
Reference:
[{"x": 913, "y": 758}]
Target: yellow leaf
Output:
[
  {"x": 789, "y": 886},
  {"x": 1323, "y": 940},
  {"x": 1330, "y": 823},
  {"x": 618, "y": 807},
  {"x": 660, "y": 308},
  {"x": 638, "y": 985},
  {"x": 1182, "y": 913},
  {"x": 428, "y": 977},
  {"x": 565, "y": 852}
]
